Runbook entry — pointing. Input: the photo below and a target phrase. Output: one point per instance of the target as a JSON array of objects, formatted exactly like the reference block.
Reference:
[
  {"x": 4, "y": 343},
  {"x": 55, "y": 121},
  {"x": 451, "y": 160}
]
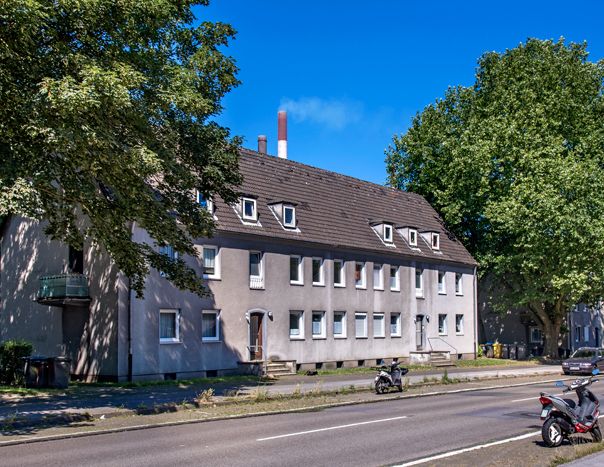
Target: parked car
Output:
[{"x": 583, "y": 361}]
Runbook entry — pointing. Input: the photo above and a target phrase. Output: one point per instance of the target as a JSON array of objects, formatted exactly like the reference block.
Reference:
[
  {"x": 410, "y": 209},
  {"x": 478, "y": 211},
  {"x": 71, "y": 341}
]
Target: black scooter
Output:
[
  {"x": 388, "y": 377},
  {"x": 563, "y": 417}
]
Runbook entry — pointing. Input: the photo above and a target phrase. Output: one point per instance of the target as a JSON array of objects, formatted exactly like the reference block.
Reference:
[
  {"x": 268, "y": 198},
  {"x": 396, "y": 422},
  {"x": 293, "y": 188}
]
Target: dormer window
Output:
[
  {"x": 203, "y": 201},
  {"x": 248, "y": 209},
  {"x": 412, "y": 237},
  {"x": 435, "y": 241},
  {"x": 289, "y": 216},
  {"x": 388, "y": 233}
]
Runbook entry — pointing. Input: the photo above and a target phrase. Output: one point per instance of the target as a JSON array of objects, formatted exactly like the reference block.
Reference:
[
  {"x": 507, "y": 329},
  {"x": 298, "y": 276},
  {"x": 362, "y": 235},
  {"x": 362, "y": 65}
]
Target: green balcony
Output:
[{"x": 63, "y": 289}]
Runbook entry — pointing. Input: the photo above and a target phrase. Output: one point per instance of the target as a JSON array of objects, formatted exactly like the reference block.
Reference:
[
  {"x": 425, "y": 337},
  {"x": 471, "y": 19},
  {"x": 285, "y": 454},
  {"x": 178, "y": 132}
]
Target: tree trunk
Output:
[{"x": 551, "y": 323}]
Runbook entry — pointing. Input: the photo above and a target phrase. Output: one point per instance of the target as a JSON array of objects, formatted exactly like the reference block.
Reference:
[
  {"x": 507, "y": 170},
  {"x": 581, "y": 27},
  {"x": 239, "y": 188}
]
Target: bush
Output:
[{"x": 11, "y": 361}]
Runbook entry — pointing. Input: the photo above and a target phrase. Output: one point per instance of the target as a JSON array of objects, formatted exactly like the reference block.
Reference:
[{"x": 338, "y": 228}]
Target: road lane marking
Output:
[
  {"x": 534, "y": 397},
  {"x": 339, "y": 427}
]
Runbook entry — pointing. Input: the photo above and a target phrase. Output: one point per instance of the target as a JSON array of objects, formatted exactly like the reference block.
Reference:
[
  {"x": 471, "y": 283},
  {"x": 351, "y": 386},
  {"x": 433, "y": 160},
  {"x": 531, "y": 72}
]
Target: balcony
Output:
[
  {"x": 63, "y": 289},
  {"x": 256, "y": 282}
]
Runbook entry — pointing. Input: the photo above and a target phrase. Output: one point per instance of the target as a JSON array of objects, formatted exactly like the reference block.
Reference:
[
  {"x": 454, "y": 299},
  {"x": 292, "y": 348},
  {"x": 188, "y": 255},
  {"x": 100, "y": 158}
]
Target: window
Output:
[
  {"x": 412, "y": 237},
  {"x": 535, "y": 335},
  {"x": 339, "y": 324},
  {"x": 168, "y": 251},
  {"x": 318, "y": 325},
  {"x": 359, "y": 275},
  {"x": 248, "y": 209},
  {"x": 395, "y": 324},
  {"x": 210, "y": 326},
  {"x": 317, "y": 271},
  {"x": 394, "y": 281},
  {"x": 586, "y": 333},
  {"x": 169, "y": 326},
  {"x": 360, "y": 325},
  {"x": 419, "y": 283},
  {"x": 296, "y": 325},
  {"x": 387, "y": 233},
  {"x": 442, "y": 325},
  {"x": 577, "y": 333},
  {"x": 378, "y": 277},
  {"x": 203, "y": 201},
  {"x": 458, "y": 283},
  {"x": 378, "y": 325},
  {"x": 442, "y": 288},
  {"x": 296, "y": 274},
  {"x": 256, "y": 273},
  {"x": 458, "y": 324},
  {"x": 339, "y": 276},
  {"x": 435, "y": 241},
  {"x": 289, "y": 216},
  {"x": 211, "y": 268}
]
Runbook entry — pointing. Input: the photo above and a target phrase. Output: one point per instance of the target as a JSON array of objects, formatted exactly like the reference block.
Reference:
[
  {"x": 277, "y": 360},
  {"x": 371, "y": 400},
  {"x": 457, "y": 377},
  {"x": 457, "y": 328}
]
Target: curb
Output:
[{"x": 83, "y": 434}]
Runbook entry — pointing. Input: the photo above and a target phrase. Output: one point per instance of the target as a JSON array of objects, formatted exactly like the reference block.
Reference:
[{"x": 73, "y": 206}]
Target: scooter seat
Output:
[{"x": 571, "y": 403}]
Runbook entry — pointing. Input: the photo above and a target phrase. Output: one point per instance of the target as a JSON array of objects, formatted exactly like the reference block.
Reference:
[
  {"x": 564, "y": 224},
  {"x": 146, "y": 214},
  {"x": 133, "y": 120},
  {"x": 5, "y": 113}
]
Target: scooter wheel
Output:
[
  {"x": 596, "y": 433},
  {"x": 552, "y": 433},
  {"x": 380, "y": 386}
]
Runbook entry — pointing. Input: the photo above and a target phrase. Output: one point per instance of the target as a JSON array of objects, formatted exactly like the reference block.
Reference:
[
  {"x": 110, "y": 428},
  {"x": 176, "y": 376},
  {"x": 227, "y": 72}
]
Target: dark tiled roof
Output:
[{"x": 335, "y": 210}]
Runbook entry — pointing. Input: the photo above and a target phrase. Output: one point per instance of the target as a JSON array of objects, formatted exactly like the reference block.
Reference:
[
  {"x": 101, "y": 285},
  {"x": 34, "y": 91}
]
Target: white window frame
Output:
[
  {"x": 216, "y": 274},
  {"x": 461, "y": 323},
  {"x": 300, "y": 280},
  {"x": 379, "y": 317},
  {"x": 342, "y": 282},
  {"x": 170, "y": 340},
  {"x": 300, "y": 315},
  {"x": 380, "y": 271},
  {"x": 577, "y": 334},
  {"x": 321, "y": 281},
  {"x": 323, "y": 324},
  {"x": 398, "y": 332},
  {"x": 292, "y": 224},
  {"x": 362, "y": 315},
  {"x": 341, "y": 335},
  {"x": 458, "y": 283},
  {"x": 533, "y": 341},
  {"x": 435, "y": 244},
  {"x": 412, "y": 237},
  {"x": 209, "y": 203},
  {"x": 170, "y": 252},
  {"x": 397, "y": 279},
  {"x": 445, "y": 329},
  {"x": 254, "y": 216},
  {"x": 442, "y": 282},
  {"x": 363, "y": 275},
  {"x": 215, "y": 338},
  {"x": 256, "y": 282},
  {"x": 388, "y": 236},
  {"x": 419, "y": 291}
]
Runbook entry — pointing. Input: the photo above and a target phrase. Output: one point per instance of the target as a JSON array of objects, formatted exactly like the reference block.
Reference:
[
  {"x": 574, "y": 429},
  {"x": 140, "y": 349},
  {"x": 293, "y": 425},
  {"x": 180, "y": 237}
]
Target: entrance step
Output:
[
  {"x": 274, "y": 369},
  {"x": 441, "y": 360}
]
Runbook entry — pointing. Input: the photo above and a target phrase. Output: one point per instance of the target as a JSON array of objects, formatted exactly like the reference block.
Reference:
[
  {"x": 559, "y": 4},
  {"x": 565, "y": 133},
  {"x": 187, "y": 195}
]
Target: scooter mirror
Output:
[
  {"x": 559, "y": 384},
  {"x": 595, "y": 372}
]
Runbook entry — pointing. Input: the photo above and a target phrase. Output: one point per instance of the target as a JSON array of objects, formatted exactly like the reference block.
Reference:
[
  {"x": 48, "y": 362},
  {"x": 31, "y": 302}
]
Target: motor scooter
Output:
[
  {"x": 388, "y": 377},
  {"x": 563, "y": 417}
]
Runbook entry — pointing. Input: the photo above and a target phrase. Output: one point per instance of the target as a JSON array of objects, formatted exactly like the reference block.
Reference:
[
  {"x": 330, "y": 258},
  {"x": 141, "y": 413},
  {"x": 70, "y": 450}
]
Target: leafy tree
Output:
[
  {"x": 514, "y": 164},
  {"x": 106, "y": 116}
]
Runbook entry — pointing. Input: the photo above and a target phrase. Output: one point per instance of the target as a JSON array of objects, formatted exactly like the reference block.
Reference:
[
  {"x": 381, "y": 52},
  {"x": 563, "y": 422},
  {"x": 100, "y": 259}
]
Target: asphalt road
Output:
[{"x": 371, "y": 434}]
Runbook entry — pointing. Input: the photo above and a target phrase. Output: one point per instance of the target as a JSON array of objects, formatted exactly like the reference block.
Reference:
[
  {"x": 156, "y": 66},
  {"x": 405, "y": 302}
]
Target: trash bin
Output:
[
  {"x": 36, "y": 372},
  {"x": 521, "y": 352},
  {"x": 512, "y": 350},
  {"x": 58, "y": 372},
  {"x": 505, "y": 351},
  {"x": 497, "y": 349},
  {"x": 489, "y": 347}
]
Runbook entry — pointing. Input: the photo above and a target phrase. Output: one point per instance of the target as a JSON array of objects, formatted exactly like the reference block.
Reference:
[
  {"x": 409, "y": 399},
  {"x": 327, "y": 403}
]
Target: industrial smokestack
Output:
[
  {"x": 262, "y": 144},
  {"x": 282, "y": 135}
]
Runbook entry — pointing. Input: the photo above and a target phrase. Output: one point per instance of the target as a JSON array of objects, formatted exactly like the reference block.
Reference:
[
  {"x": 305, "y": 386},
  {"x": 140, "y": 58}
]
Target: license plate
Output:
[
  {"x": 574, "y": 368},
  {"x": 544, "y": 413}
]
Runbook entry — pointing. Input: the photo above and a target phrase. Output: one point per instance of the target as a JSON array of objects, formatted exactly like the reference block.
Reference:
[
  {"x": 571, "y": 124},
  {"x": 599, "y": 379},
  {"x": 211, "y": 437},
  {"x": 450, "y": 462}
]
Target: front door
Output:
[
  {"x": 419, "y": 332},
  {"x": 256, "y": 336}
]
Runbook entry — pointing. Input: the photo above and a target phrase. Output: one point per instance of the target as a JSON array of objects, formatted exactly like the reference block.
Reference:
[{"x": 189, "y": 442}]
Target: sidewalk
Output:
[
  {"x": 104, "y": 402},
  {"x": 595, "y": 460}
]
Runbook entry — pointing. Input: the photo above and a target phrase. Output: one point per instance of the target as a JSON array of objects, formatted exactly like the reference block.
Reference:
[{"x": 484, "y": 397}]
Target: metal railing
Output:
[
  {"x": 63, "y": 286},
  {"x": 442, "y": 340},
  {"x": 256, "y": 282}
]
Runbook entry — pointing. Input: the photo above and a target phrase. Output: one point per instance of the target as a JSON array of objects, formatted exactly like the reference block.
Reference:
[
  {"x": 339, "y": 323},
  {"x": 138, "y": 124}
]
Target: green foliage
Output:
[
  {"x": 12, "y": 353},
  {"x": 107, "y": 120},
  {"x": 514, "y": 165}
]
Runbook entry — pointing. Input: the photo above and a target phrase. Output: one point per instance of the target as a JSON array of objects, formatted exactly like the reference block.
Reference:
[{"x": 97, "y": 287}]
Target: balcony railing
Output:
[
  {"x": 256, "y": 282},
  {"x": 62, "y": 289}
]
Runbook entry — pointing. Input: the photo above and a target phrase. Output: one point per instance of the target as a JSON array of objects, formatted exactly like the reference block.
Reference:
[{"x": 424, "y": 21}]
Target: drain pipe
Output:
[{"x": 475, "y": 298}]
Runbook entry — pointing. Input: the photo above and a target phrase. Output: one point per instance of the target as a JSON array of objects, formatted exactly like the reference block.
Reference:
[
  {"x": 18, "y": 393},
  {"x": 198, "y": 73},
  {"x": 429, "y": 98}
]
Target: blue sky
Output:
[{"x": 353, "y": 73}]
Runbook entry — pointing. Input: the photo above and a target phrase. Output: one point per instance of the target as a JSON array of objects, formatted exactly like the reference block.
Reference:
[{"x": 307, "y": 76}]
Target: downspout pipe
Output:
[{"x": 475, "y": 298}]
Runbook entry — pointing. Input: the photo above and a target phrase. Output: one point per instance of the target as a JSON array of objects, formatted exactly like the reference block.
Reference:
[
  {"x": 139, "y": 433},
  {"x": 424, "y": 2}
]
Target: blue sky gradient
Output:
[{"x": 353, "y": 73}]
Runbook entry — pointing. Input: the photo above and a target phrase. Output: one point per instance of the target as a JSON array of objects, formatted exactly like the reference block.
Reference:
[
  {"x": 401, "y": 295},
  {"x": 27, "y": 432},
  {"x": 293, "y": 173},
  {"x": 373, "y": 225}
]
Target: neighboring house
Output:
[
  {"x": 585, "y": 327},
  {"x": 310, "y": 267}
]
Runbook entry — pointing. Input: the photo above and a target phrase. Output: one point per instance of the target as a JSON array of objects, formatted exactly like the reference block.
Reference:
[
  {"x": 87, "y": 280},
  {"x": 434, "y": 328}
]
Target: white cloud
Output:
[{"x": 332, "y": 113}]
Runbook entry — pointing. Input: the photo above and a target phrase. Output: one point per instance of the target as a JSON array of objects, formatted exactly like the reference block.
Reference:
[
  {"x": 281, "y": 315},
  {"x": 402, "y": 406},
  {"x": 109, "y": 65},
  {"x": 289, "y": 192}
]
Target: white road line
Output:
[
  {"x": 332, "y": 428},
  {"x": 473, "y": 448},
  {"x": 534, "y": 397}
]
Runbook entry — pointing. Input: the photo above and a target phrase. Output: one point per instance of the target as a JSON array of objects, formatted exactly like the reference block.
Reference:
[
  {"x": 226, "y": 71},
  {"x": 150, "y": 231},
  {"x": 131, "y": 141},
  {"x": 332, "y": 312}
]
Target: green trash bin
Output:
[
  {"x": 36, "y": 372},
  {"x": 58, "y": 372}
]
